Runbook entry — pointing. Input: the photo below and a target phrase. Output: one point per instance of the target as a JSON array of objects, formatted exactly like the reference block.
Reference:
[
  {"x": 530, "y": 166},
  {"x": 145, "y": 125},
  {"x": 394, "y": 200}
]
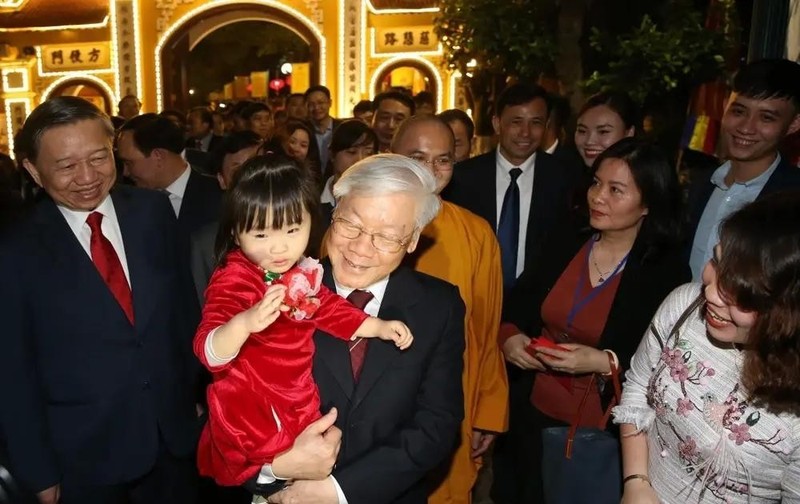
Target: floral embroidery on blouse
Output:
[{"x": 727, "y": 416}]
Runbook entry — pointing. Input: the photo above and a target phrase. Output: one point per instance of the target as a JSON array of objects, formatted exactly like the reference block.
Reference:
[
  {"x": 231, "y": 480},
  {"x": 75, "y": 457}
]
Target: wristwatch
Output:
[{"x": 267, "y": 489}]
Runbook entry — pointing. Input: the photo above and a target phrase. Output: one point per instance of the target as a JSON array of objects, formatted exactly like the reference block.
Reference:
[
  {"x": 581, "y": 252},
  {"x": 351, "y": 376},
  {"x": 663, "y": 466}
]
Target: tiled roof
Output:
[{"x": 44, "y": 13}]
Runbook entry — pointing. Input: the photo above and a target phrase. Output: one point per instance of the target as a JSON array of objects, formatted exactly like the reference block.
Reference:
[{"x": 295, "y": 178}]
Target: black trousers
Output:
[
  {"x": 171, "y": 480},
  {"x": 517, "y": 458}
]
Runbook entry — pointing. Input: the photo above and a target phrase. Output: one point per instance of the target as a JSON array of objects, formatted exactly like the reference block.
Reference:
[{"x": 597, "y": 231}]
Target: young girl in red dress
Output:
[{"x": 263, "y": 304}]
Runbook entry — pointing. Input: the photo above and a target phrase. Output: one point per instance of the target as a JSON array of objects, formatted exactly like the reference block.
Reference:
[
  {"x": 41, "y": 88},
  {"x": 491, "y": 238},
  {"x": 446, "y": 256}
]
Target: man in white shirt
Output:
[
  {"x": 98, "y": 316},
  {"x": 150, "y": 147},
  {"x": 519, "y": 191},
  {"x": 400, "y": 416}
]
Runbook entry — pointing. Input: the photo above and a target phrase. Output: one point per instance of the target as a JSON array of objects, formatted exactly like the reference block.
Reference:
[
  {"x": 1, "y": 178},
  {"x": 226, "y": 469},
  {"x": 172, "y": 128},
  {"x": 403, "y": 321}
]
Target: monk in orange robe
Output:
[{"x": 461, "y": 248}]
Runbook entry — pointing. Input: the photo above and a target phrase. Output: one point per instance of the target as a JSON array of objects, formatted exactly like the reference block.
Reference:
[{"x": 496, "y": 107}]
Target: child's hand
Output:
[
  {"x": 262, "y": 314},
  {"x": 392, "y": 330},
  {"x": 396, "y": 331}
]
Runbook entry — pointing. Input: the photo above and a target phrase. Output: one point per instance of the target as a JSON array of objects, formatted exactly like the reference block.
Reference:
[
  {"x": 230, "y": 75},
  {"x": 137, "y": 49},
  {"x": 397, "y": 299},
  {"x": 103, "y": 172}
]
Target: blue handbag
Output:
[{"x": 581, "y": 464}]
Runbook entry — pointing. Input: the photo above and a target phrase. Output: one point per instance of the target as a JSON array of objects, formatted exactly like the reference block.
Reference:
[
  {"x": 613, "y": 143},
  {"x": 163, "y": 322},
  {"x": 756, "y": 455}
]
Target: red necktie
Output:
[
  {"x": 358, "y": 347},
  {"x": 107, "y": 263}
]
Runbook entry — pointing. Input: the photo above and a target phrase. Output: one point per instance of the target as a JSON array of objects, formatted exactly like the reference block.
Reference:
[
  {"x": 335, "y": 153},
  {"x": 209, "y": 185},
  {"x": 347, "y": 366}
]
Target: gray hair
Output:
[{"x": 389, "y": 174}]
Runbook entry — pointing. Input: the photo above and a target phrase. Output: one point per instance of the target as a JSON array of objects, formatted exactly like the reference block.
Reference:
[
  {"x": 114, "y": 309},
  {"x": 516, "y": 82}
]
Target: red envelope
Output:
[{"x": 564, "y": 379}]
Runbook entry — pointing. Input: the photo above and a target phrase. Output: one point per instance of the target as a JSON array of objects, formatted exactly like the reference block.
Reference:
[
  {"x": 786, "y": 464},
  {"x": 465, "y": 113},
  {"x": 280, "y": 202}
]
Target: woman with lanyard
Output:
[{"x": 593, "y": 295}]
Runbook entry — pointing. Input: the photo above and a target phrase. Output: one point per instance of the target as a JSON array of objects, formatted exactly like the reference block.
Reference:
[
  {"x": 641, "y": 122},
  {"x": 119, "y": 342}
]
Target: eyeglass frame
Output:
[
  {"x": 434, "y": 163},
  {"x": 403, "y": 242}
]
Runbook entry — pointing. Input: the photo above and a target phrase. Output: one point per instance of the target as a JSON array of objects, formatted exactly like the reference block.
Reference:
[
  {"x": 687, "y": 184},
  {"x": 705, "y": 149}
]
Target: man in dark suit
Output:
[
  {"x": 318, "y": 101},
  {"x": 98, "y": 315},
  {"x": 398, "y": 412},
  {"x": 150, "y": 147},
  {"x": 200, "y": 125},
  {"x": 229, "y": 155},
  {"x": 762, "y": 110},
  {"x": 519, "y": 191}
]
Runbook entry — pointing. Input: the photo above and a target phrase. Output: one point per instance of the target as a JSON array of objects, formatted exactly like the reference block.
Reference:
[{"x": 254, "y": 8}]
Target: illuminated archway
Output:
[
  {"x": 174, "y": 44},
  {"x": 59, "y": 86},
  {"x": 424, "y": 66}
]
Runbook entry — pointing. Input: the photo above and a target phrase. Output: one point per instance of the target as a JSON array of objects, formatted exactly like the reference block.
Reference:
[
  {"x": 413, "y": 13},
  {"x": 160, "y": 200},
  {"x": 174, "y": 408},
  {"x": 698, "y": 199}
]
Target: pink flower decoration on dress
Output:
[
  {"x": 302, "y": 285},
  {"x": 684, "y": 407},
  {"x": 739, "y": 433}
]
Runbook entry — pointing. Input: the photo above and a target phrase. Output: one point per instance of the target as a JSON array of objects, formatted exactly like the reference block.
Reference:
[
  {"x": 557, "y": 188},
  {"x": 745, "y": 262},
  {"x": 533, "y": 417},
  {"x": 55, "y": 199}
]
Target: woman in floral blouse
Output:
[{"x": 710, "y": 408}]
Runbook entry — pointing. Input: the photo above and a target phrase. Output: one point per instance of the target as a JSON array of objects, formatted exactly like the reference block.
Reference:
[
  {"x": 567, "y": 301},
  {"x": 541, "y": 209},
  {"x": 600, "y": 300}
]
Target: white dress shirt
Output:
[
  {"x": 327, "y": 192},
  {"x": 76, "y": 220},
  {"x": 525, "y": 183},
  {"x": 378, "y": 290},
  {"x": 177, "y": 188},
  {"x": 552, "y": 148}
]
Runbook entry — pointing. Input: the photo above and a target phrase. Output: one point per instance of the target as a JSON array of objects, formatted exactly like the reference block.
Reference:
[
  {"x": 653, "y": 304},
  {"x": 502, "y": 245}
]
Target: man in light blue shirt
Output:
[{"x": 762, "y": 110}]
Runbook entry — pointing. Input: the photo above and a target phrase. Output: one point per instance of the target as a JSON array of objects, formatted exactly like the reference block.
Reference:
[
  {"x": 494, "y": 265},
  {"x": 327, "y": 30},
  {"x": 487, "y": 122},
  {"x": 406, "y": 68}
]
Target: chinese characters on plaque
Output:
[
  {"x": 405, "y": 39},
  {"x": 76, "y": 57}
]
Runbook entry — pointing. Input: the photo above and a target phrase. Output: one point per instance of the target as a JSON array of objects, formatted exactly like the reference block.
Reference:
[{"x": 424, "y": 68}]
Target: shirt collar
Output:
[
  {"x": 505, "y": 165},
  {"x": 552, "y": 148},
  {"x": 327, "y": 192},
  {"x": 378, "y": 289},
  {"x": 178, "y": 187},
  {"x": 77, "y": 218},
  {"x": 718, "y": 177}
]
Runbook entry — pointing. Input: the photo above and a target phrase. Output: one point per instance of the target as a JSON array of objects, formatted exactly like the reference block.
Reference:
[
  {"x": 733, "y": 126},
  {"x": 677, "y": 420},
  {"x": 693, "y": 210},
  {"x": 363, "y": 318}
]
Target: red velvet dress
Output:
[{"x": 272, "y": 373}]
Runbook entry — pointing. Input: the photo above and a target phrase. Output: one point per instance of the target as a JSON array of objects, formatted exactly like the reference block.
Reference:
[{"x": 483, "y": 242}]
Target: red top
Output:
[
  {"x": 549, "y": 395},
  {"x": 272, "y": 373}
]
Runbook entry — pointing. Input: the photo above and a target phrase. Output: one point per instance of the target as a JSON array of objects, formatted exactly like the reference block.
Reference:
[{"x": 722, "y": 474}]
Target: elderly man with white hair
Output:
[{"x": 398, "y": 412}]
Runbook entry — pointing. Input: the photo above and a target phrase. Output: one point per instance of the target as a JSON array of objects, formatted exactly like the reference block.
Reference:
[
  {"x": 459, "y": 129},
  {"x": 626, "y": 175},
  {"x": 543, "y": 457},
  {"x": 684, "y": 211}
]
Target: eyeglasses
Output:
[
  {"x": 440, "y": 162},
  {"x": 381, "y": 242}
]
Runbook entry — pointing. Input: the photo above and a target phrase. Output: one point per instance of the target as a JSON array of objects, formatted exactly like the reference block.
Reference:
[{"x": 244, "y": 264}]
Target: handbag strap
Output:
[{"x": 573, "y": 428}]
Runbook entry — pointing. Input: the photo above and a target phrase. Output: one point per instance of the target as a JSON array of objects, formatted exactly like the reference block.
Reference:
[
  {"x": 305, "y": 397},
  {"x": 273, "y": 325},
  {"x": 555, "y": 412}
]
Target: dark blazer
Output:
[
  {"x": 202, "y": 244},
  {"x": 215, "y": 140},
  {"x": 402, "y": 418},
  {"x": 785, "y": 177},
  {"x": 88, "y": 397},
  {"x": 473, "y": 187},
  {"x": 201, "y": 203},
  {"x": 646, "y": 281}
]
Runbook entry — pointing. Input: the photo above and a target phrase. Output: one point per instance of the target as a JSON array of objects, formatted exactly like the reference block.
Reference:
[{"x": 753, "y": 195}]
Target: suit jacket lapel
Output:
[
  {"x": 396, "y": 305},
  {"x": 134, "y": 240},
  {"x": 335, "y": 353},
  {"x": 486, "y": 188}
]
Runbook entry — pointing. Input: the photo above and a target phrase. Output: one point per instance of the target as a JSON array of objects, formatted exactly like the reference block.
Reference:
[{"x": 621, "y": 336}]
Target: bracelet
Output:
[
  {"x": 613, "y": 362},
  {"x": 642, "y": 477}
]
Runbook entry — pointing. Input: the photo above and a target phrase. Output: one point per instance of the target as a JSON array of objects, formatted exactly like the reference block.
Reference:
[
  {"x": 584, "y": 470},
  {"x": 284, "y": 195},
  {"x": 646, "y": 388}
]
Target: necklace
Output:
[
  {"x": 604, "y": 275},
  {"x": 600, "y": 272}
]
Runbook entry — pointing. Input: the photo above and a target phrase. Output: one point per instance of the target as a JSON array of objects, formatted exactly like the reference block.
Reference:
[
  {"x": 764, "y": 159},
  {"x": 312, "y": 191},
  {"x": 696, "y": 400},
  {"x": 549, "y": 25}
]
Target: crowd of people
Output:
[{"x": 275, "y": 305}]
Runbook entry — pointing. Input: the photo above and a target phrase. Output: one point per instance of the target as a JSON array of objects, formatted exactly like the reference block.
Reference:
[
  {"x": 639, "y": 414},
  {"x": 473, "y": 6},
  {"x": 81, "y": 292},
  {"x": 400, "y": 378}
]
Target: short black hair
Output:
[
  {"x": 231, "y": 144},
  {"x": 318, "y": 89},
  {"x": 52, "y": 113},
  {"x": 253, "y": 108},
  {"x": 770, "y": 78},
  {"x": 424, "y": 97},
  {"x": 618, "y": 101},
  {"x": 352, "y": 133},
  {"x": 205, "y": 115},
  {"x": 458, "y": 115},
  {"x": 295, "y": 95},
  {"x": 152, "y": 131},
  {"x": 396, "y": 96},
  {"x": 519, "y": 94},
  {"x": 270, "y": 185},
  {"x": 362, "y": 106}
]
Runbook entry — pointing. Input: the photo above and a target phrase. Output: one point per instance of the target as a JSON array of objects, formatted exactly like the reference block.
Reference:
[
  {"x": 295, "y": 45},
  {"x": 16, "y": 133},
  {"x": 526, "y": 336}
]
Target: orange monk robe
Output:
[{"x": 461, "y": 248}]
